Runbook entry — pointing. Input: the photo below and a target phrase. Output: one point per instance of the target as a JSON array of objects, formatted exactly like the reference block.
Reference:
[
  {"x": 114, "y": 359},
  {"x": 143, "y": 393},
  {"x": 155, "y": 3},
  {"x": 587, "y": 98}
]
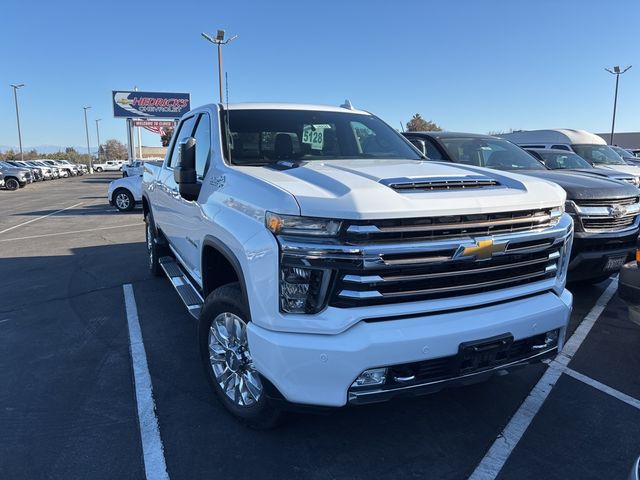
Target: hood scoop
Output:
[{"x": 441, "y": 183}]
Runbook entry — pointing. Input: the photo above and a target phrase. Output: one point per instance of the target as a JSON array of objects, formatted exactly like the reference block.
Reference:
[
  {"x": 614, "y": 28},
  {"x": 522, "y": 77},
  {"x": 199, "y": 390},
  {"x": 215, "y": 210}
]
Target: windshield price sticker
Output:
[{"x": 314, "y": 135}]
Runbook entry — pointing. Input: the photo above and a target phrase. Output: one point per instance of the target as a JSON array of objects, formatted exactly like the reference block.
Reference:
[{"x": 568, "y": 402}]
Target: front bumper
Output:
[
  {"x": 316, "y": 369},
  {"x": 591, "y": 253}
]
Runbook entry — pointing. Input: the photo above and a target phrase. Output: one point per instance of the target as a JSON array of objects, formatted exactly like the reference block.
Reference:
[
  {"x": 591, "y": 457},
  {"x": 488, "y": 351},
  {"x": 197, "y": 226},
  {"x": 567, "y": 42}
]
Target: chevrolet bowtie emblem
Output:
[{"x": 482, "y": 250}]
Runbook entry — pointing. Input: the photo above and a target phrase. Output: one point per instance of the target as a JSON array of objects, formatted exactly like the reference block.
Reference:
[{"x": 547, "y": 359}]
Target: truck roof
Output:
[
  {"x": 289, "y": 106},
  {"x": 558, "y": 135}
]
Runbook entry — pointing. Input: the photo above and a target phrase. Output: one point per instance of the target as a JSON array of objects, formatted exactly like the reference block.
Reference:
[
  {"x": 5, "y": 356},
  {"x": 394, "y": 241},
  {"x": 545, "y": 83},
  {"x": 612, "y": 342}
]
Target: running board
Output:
[{"x": 181, "y": 282}]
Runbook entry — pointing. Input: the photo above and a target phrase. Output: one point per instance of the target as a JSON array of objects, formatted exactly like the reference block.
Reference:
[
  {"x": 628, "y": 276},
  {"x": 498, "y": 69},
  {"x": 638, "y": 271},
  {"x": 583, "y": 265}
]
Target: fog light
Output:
[
  {"x": 374, "y": 376},
  {"x": 551, "y": 338}
]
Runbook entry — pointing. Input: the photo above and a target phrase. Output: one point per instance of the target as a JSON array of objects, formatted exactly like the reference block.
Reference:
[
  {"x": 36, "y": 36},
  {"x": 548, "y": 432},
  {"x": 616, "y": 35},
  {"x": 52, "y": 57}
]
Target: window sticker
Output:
[{"x": 314, "y": 135}]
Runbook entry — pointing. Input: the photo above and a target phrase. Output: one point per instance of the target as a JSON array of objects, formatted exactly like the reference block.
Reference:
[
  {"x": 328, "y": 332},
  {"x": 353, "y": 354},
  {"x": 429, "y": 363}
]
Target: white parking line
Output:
[
  {"x": 39, "y": 218},
  {"x": 490, "y": 466},
  {"x": 152, "y": 450},
  {"x": 71, "y": 232},
  {"x": 623, "y": 397}
]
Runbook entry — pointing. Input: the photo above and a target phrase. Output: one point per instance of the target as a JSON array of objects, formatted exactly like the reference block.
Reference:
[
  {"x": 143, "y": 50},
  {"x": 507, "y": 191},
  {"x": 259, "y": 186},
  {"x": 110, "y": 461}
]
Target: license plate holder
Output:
[
  {"x": 483, "y": 354},
  {"x": 615, "y": 263}
]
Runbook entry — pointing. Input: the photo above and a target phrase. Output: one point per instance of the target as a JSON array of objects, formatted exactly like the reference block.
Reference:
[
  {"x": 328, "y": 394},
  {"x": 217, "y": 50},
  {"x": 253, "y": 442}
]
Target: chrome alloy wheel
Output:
[
  {"x": 122, "y": 201},
  {"x": 231, "y": 361}
]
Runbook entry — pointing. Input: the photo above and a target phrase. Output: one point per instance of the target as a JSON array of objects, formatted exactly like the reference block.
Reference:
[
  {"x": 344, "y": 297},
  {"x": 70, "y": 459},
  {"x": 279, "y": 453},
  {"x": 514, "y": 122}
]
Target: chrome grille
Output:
[
  {"x": 437, "y": 228},
  {"x": 423, "y": 278},
  {"x": 608, "y": 215}
]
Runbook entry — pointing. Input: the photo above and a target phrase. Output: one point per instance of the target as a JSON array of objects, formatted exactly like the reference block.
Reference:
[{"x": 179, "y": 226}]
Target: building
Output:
[
  {"x": 152, "y": 152},
  {"x": 630, "y": 140}
]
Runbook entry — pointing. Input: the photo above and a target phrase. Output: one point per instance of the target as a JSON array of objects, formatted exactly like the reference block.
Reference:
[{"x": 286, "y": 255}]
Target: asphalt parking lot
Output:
[{"x": 68, "y": 406}]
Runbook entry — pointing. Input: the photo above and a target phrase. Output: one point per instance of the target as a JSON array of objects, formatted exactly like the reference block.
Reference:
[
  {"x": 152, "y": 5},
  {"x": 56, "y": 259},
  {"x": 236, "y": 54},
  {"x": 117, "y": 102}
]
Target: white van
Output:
[{"x": 589, "y": 146}]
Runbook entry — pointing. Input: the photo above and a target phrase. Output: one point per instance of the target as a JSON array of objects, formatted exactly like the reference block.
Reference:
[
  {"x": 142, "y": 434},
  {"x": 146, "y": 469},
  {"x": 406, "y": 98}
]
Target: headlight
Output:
[
  {"x": 556, "y": 214},
  {"x": 307, "y": 226}
]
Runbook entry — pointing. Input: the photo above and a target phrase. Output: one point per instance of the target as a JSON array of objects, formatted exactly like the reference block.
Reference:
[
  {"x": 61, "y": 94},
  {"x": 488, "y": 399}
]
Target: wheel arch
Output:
[{"x": 220, "y": 266}]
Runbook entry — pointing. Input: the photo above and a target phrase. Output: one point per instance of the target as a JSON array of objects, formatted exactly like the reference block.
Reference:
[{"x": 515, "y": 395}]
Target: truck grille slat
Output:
[{"x": 444, "y": 227}]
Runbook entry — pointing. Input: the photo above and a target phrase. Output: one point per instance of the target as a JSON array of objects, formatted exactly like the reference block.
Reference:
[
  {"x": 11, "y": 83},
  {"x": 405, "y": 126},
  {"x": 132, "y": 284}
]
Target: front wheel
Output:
[
  {"x": 153, "y": 249},
  {"x": 225, "y": 354},
  {"x": 123, "y": 200},
  {"x": 11, "y": 184},
  {"x": 99, "y": 169}
]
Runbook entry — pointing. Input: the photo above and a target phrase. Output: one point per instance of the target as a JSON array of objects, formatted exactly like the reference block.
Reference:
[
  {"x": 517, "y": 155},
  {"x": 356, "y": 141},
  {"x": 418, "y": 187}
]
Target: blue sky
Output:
[{"x": 474, "y": 66}]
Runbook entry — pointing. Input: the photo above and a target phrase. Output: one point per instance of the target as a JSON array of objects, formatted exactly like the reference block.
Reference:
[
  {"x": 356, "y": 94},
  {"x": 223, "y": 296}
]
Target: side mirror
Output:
[
  {"x": 184, "y": 173},
  {"x": 420, "y": 145}
]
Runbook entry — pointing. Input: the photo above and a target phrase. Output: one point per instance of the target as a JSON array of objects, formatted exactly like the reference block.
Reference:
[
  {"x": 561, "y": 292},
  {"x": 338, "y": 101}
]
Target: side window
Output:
[
  {"x": 560, "y": 147},
  {"x": 203, "y": 144},
  {"x": 185, "y": 130}
]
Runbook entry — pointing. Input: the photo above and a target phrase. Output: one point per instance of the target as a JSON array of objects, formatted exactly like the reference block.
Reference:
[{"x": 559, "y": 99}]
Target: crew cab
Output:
[
  {"x": 328, "y": 263},
  {"x": 108, "y": 166},
  {"x": 606, "y": 212}
]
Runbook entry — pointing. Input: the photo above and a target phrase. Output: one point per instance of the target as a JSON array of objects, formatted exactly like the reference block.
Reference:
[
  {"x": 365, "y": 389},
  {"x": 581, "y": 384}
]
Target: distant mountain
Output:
[{"x": 47, "y": 148}]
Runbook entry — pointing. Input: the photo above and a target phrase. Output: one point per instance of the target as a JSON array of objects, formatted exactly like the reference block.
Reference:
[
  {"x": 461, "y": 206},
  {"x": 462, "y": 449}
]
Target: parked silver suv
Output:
[{"x": 15, "y": 177}]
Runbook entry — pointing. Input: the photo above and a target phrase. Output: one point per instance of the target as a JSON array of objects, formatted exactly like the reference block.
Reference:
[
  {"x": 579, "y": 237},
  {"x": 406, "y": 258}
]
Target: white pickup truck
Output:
[{"x": 328, "y": 264}]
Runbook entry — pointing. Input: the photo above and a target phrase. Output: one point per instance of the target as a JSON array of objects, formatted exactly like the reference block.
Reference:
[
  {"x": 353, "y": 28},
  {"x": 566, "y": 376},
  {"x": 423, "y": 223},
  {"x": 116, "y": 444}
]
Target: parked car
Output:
[
  {"x": 125, "y": 193},
  {"x": 15, "y": 177},
  {"x": 77, "y": 168},
  {"x": 55, "y": 171},
  {"x": 67, "y": 169},
  {"x": 589, "y": 146},
  {"x": 36, "y": 173},
  {"x": 626, "y": 155},
  {"x": 45, "y": 171},
  {"x": 132, "y": 169},
  {"x": 564, "y": 160},
  {"x": 328, "y": 264},
  {"x": 606, "y": 212},
  {"x": 108, "y": 166}
]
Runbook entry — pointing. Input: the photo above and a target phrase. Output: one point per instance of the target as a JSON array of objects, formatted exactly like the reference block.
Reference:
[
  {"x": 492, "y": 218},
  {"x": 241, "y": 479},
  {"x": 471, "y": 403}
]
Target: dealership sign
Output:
[
  {"x": 127, "y": 104},
  {"x": 155, "y": 126}
]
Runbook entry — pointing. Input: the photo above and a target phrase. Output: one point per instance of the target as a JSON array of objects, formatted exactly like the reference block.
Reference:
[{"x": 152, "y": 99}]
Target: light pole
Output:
[
  {"x": 616, "y": 71},
  {"x": 219, "y": 41},
  {"x": 86, "y": 127},
  {"x": 15, "y": 96},
  {"x": 98, "y": 134}
]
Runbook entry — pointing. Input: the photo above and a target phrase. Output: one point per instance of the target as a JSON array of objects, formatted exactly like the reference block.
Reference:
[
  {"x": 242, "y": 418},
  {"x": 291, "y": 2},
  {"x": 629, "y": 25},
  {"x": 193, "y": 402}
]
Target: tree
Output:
[
  {"x": 419, "y": 124},
  {"x": 166, "y": 135},
  {"x": 114, "y": 150}
]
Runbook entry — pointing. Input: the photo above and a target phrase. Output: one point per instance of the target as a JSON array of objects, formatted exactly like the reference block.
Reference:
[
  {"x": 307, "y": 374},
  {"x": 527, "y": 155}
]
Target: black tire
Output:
[
  {"x": 99, "y": 169},
  {"x": 11, "y": 183},
  {"x": 154, "y": 251},
  {"x": 262, "y": 414},
  {"x": 123, "y": 200}
]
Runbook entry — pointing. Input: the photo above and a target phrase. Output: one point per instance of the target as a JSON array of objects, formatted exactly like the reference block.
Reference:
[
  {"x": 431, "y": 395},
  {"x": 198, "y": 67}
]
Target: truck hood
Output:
[
  {"x": 621, "y": 168},
  {"x": 581, "y": 186},
  {"x": 357, "y": 189}
]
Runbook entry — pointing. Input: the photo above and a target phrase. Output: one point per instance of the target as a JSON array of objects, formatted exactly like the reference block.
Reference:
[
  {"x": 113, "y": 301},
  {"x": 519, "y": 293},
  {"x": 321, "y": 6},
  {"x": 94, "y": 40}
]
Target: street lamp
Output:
[
  {"x": 617, "y": 72},
  {"x": 15, "y": 96},
  {"x": 98, "y": 134},
  {"x": 219, "y": 41},
  {"x": 86, "y": 127}
]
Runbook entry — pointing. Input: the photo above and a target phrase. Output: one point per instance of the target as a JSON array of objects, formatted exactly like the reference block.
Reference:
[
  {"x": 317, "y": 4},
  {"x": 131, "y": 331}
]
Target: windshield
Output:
[
  {"x": 602, "y": 154},
  {"x": 621, "y": 151},
  {"x": 563, "y": 160},
  {"x": 490, "y": 153},
  {"x": 260, "y": 137}
]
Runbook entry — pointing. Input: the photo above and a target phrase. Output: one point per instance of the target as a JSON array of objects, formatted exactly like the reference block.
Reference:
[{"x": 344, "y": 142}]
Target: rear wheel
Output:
[
  {"x": 225, "y": 354},
  {"x": 11, "y": 183},
  {"x": 98, "y": 169}
]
